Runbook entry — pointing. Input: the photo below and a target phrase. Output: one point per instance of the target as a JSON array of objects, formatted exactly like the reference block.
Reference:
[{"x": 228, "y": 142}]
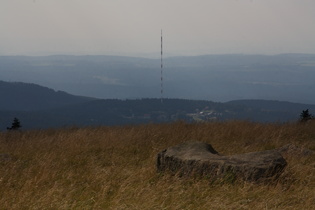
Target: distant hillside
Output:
[
  {"x": 268, "y": 110},
  {"x": 269, "y": 105},
  {"x": 112, "y": 112},
  {"x": 286, "y": 77},
  {"x": 18, "y": 96},
  {"x": 40, "y": 107}
]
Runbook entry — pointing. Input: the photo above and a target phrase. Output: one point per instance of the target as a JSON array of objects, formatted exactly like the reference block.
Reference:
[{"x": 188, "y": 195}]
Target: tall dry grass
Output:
[{"x": 114, "y": 168}]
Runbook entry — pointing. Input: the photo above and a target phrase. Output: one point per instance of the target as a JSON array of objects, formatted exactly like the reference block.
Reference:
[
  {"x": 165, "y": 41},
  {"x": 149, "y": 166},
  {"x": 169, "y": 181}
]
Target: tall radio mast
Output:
[{"x": 161, "y": 67}]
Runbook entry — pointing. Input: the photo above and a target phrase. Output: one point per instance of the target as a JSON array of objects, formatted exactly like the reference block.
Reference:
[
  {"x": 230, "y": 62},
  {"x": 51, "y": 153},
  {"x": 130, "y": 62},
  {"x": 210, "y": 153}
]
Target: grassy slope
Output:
[{"x": 114, "y": 168}]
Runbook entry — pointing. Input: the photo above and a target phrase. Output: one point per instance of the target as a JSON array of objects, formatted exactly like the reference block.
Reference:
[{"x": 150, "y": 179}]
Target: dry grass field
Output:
[{"x": 114, "y": 168}]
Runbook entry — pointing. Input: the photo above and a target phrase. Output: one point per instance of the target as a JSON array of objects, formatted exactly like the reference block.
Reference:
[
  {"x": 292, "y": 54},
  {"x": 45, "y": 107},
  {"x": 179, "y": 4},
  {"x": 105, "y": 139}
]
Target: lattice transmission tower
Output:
[{"x": 162, "y": 67}]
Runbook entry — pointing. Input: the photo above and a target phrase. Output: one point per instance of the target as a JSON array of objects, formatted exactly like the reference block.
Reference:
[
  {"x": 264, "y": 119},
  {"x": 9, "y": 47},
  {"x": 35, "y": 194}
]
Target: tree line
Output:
[{"x": 305, "y": 116}]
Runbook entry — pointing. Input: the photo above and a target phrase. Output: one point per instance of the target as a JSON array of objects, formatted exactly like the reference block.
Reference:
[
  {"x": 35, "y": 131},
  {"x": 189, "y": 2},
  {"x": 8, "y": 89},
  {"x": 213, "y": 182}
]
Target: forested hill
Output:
[
  {"x": 19, "y": 96},
  {"x": 39, "y": 107}
]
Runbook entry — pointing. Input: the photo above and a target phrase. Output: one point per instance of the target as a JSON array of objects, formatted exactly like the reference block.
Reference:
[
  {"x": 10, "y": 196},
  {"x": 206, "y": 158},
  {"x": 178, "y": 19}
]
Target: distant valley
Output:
[
  {"x": 221, "y": 78},
  {"x": 40, "y": 107}
]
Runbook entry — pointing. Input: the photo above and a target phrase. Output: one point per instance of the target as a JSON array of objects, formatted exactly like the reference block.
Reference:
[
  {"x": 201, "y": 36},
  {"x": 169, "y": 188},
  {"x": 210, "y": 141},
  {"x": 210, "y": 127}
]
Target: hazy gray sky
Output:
[{"x": 132, "y": 27}]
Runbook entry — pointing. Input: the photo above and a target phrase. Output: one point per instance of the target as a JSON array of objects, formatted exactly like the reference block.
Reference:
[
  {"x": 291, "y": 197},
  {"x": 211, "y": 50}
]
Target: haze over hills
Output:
[
  {"x": 39, "y": 107},
  {"x": 222, "y": 78}
]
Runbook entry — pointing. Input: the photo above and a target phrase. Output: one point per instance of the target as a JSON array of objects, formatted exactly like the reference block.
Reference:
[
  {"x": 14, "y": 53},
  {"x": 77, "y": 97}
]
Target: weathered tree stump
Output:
[{"x": 200, "y": 159}]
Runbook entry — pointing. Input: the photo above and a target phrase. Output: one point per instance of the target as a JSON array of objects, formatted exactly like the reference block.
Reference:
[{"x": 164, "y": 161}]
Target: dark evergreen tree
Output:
[
  {"x": 305, "y": 116},
  {"x": 16, "y": 125}
]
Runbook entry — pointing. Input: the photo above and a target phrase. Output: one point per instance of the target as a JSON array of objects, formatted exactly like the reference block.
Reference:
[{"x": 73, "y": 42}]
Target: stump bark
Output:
[{"x": 201, "y": 159}]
